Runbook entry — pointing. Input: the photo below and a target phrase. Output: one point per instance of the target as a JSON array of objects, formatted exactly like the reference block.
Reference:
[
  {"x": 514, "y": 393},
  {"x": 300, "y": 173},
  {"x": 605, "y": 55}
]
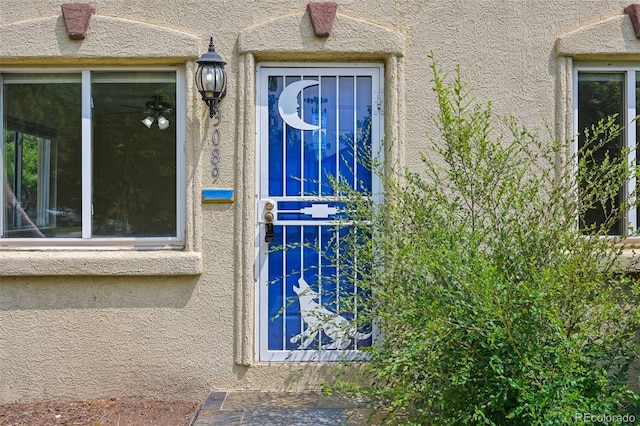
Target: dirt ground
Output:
[{"x": 103, "y": 412}]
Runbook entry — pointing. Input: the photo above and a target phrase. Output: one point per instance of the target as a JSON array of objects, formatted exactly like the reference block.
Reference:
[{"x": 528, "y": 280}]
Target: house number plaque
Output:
[{"x": 216, "y": 135}]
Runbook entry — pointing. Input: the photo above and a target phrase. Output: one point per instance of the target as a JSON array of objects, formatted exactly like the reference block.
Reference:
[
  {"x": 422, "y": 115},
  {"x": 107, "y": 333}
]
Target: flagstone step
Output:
[{"x": 255, "y": 408}]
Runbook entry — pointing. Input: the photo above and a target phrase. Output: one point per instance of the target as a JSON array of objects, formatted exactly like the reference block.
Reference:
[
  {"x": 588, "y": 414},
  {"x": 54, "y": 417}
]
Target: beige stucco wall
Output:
[{"x": 88, "y": 324}]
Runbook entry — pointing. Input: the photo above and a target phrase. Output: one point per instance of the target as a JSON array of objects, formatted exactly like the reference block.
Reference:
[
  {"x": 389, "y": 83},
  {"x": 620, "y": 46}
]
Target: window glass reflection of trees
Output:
[
  {"x": 600, "y": 95},
  {"x": 133, "y": 168},
  {"x": 42, "y": 144}
]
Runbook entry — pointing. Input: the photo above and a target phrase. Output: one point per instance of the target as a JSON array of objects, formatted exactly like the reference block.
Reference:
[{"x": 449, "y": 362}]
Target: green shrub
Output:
[{"x": 493, "y": 307}]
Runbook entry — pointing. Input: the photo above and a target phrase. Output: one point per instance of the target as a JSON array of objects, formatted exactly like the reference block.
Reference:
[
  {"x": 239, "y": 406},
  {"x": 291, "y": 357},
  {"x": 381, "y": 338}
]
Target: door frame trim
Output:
[{"x": 244, "y": 246}]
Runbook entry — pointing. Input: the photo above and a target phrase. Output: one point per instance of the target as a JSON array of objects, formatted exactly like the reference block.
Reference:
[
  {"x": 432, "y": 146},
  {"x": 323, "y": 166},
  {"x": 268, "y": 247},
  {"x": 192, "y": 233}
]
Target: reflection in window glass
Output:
[
  {"x": 601, "y": 95},
  {"x": 42, "y": 152},
  {"x": 134, "y": 154},
  {"x": 127, "y": 184}
]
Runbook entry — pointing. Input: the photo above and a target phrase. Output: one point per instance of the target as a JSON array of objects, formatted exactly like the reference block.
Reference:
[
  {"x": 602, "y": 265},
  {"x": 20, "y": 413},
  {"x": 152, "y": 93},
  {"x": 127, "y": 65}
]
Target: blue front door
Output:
[{"x": 315, "y": 125}]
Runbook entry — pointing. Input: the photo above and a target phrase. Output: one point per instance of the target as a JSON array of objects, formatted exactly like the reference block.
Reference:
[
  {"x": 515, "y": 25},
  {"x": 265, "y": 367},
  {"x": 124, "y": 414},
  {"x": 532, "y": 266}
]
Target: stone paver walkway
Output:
[{"x": 253, "y": 408}]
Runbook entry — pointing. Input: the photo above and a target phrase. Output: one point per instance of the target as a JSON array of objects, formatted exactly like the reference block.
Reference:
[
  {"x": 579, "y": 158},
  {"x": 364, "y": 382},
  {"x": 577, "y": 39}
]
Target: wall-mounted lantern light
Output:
[{"x": 211, "y": 80}]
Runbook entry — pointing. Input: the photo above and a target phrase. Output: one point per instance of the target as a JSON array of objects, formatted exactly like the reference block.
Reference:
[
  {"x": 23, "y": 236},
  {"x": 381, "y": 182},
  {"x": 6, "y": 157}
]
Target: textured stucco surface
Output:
[{"x": 177, "y": 324}]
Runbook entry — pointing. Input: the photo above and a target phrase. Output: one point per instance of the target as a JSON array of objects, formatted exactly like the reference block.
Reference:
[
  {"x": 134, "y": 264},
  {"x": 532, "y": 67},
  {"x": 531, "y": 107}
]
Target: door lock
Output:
[{"x": 269, "y": 233}]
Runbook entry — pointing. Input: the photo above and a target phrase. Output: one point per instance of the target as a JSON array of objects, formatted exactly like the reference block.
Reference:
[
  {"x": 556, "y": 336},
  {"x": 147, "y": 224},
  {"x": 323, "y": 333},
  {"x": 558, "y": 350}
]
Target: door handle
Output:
[{"x": 269, "y": 233}]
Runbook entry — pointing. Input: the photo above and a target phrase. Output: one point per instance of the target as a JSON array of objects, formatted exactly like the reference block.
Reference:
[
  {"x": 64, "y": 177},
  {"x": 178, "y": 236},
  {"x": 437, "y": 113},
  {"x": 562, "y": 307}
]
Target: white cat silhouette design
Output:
[{"x": 318, "y": 318}]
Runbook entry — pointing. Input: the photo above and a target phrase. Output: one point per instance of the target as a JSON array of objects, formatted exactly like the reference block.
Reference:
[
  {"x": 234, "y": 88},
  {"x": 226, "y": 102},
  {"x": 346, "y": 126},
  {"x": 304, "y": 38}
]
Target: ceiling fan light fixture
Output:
[
  {"x": 163, "y": 123},
  {"x": 148, "y": 121}
]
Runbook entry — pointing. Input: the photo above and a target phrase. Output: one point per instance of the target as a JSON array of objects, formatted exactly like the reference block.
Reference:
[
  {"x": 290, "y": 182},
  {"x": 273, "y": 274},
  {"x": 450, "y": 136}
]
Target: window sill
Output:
[
  {"x": 100, "y": 263},
  {"x": 629, "y": 260}
]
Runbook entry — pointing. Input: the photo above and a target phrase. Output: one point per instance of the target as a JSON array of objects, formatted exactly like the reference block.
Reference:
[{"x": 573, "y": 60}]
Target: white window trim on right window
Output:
[{"x": 628, "y": 110}]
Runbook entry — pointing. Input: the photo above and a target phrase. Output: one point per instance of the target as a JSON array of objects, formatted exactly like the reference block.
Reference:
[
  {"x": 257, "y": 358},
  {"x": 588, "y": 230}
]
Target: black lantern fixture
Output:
[{"x": 211, "y": 80}]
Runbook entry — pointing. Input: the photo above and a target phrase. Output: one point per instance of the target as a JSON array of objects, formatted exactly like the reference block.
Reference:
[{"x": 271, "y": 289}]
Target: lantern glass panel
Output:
[{"x": 214, "y": 80}]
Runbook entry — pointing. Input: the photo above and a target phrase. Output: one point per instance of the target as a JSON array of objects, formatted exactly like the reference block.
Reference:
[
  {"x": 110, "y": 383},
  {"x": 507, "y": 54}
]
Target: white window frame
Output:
[
  {"x": 629, "y": 71},
  {"x": 87, "y": 242}
]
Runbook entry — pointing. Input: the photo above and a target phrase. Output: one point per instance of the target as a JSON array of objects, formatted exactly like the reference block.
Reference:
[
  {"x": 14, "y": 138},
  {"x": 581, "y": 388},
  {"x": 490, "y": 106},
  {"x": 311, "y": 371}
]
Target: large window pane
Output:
[
  {"x": 42, "y": 155},
  {"x": 134, "y": 154},
  {"x": 601, "y": 95}
]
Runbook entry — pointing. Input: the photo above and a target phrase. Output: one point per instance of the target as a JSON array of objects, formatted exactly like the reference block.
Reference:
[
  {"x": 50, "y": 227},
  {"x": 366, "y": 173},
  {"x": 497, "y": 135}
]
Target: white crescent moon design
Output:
[{"x": 288, "y": 105}]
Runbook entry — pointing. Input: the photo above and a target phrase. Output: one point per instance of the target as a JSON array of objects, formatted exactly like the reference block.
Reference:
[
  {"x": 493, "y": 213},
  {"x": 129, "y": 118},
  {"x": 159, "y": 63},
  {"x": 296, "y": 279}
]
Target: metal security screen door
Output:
[{"x": 315, "y": 125}]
